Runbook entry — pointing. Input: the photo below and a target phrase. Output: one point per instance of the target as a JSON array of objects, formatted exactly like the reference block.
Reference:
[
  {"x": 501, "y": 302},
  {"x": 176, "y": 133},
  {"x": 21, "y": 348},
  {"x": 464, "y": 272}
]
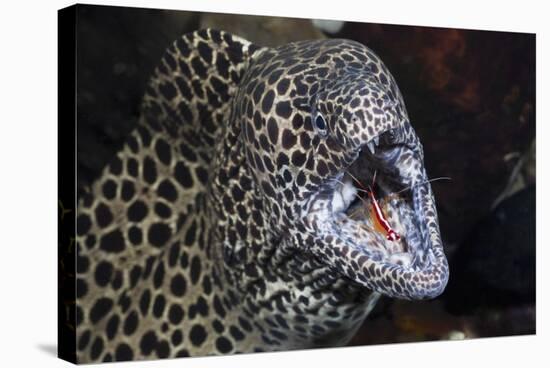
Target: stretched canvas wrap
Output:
[{"x": 238, "y": 184}]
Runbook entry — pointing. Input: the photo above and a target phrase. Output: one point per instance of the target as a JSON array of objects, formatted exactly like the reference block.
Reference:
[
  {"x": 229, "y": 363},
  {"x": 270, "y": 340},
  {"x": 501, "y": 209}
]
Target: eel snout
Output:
[{"x": 352, "y": 238}]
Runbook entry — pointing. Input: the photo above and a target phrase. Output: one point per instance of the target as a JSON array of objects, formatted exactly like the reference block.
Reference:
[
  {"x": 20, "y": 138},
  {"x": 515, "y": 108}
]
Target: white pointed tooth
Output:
[
  {"x": 371, "y": 147},
  {"x": 376, "y": 140}
]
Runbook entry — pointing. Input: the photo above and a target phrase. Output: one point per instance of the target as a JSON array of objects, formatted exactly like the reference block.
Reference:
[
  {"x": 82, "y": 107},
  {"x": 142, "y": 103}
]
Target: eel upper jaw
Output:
[{"x": 421, "y": 268}]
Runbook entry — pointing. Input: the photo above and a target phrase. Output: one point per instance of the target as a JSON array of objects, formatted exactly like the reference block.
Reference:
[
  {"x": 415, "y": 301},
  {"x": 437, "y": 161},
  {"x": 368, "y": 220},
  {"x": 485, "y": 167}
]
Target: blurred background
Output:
[{"x": 471, "y": 98}]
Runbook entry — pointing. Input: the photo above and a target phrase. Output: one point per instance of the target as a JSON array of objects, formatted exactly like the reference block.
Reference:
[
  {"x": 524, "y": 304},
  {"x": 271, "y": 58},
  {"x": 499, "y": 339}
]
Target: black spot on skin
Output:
[
  {"x": 182, "y": 353},
  {"x": 282, "y": 86},
  {"x": 112, "y": 242},
  {"x": 192, "y": 311},
  {"x": 283, "y": 109},
  {"x": 273, "y": 130},
  {"x": 158, "y": 234},
  {"x": 148, "y": 342},
  {"x": 237, "y": 193},
  {"x": 123, "y": 352},
  {"x": 168, "y": 90},
  {"x": 258, "y": 92},
  {"x": 109, "y": 189},
  {"x": 274, "y": 77},
  {"x": 298, "y": 68},
  {"x": 84, "y": 340},
  {"x": 184, "y": 260},
  {"x": 202, "y": 174},
  {"x": 322, "y": 169},
  {"x": 137, "y": 211},
  {"x": 206, "y": 285},
  {"x": 298, "y": 158},
  {"x": 81, "y": 288},
  {"x": 301, "y": 179},
  {"x": 135, "y": 235},
  {"x": 297, "y": 121},
  {"x": 187, "y": 153},
  {"x": 202, "y": 306},
  {"x": 278, "y": 335},
  {"x": 128, "y": 190},
  {"x": 268, "y": 189},
  {"x": 288, "y": 139},
  {"x": 184, "y": 87},
  {"x": 178, "y": 285},
  {"x": 149, "y": 170},
  {"x": 198, "y": 67},
  {"x": 97, "y": 348},
  {"x": 197, "y": 335},
  {"x": 134, "y": 275},
  {"x": 163, "y": 349},
  {"x": 176, "y": 338},
  {"x": 144, "y": 302},
  {"x": 195, "y": 269},
  {"x": 117, "y": 280},
  {"x": 182, "y": 175},
  {"x": 112, "y": 326},
  {"x": 103, "y": 273},
  {"x": 131, "y": 323},
  {"x": 223, "y": 345},
  {"x": 101, "y": 307},
  {"x": 158, "y": 305},
  {"x": 218, "y": 307},
  {"x": 175, "y": 314},
  {"x": 282, "y": 160},
  {"x": 163, "y": 151},
  {"x": 190, "y": 235},
  {"x": 103, "y": 215},
  {"x": 218, "y": 326},
  {"x": 222, "y": 64},
  {"x": 167, "y": 190},
  {"x": 205, "y": 52},
  {"x": 162, "y": 210},
  {"x": 236, "y": 333},
  {"x": 245, "y": 324},
  {"x": 158, "y": 277},
  {"x": 132, "y": 167},
  {"x": 174, "y": 254},
  {"x": 83, "y": 224},
  {"x": 219, "y": 87},
  {"x": 267, "y": 101}
]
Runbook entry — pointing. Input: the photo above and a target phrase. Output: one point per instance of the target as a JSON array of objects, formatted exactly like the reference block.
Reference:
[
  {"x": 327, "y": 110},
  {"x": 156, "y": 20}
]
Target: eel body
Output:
[{"x": 229, "y": 221}]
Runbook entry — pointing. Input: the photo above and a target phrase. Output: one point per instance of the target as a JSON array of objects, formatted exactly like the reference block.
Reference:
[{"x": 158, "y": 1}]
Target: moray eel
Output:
[{"x": 229, "y": 222}]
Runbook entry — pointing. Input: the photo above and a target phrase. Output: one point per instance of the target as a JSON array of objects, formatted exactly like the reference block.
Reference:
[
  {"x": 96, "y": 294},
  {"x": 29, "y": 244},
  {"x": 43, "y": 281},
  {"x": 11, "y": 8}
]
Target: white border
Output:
[{"x": 28, "y": 179}]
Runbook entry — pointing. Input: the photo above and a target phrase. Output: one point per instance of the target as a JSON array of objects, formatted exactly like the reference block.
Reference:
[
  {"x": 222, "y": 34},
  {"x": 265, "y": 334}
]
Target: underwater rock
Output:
[{"x": 495, "y": 266}]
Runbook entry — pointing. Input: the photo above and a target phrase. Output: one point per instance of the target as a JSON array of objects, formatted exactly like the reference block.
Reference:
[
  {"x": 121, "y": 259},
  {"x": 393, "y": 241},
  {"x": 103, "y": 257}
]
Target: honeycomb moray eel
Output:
[{"x": 225, "y": 222}]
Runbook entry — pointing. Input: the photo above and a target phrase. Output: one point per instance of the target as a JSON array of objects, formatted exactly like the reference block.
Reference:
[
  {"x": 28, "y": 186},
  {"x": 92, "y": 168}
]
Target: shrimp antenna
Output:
[
  {"x": 424, "y": 182},
  {"x": 357, "y": 181},
  {"x": 373, "y": 180}
]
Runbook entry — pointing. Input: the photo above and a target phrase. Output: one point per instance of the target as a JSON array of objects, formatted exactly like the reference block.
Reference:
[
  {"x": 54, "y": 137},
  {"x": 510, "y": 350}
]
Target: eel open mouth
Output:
[{"x": 411, "y": 263}]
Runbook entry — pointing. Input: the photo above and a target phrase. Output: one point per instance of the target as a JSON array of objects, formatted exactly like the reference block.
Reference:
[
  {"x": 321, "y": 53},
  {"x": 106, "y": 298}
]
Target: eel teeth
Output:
[
  {"x": 371, "y": 147},
  {"x": 376, "y": 140}
]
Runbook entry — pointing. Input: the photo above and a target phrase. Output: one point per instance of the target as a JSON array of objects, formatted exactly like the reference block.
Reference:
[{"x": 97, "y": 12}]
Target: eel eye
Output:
[{"x": 321, "y": 124}]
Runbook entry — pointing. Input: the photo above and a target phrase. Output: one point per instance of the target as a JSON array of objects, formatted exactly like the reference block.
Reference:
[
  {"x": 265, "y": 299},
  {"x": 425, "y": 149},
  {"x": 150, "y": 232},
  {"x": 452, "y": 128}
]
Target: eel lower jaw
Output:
[{"x": 413, "y": 267}]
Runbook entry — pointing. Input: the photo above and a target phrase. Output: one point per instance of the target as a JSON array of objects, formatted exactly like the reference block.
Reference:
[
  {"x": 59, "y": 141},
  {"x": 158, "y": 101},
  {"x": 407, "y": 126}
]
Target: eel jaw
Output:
[{"x": 413, "y": 267}]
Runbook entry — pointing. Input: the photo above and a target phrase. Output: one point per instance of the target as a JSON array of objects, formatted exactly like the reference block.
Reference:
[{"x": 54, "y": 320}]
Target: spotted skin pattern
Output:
[{"x": 208, "y": 232}]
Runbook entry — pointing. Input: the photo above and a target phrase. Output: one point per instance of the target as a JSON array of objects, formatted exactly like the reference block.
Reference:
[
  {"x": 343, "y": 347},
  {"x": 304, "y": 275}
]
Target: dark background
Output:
[{"x": 471, "y": 98}]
